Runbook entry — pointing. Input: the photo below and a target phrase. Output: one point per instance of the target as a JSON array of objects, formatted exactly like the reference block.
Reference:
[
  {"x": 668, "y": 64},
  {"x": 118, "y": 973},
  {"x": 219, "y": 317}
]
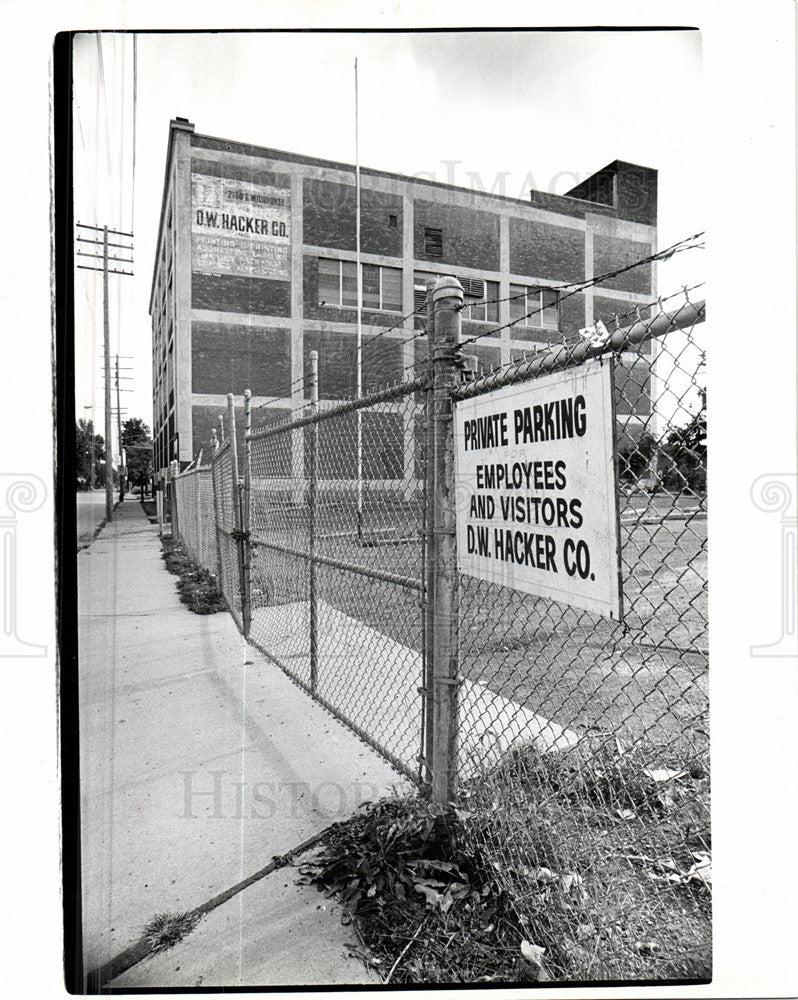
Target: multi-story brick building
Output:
[{"x": 256, "y": 266}]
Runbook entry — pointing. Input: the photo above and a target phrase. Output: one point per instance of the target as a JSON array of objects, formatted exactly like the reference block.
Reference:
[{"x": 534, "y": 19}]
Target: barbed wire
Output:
[
  {"x": 660, "y": 255},
  {"x": 617, "y": 317},
  {"x": 687, "y": 243},
  {"x": 575, "y": 291}
]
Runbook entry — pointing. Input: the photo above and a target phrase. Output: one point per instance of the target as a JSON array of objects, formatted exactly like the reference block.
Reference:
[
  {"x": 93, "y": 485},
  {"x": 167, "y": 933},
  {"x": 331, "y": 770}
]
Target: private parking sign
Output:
[{"x": 537, "y": 497}]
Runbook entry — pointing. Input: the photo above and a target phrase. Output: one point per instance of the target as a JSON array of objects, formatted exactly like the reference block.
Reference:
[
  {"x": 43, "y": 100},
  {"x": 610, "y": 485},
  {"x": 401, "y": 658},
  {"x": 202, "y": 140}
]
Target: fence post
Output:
[
  {"x": 159, "y": 499},
  {"x": 428, "y": 688},
  {"x": 447, "y": 299},
  {"x": 237, "y": 518},
  {"x": 173, "y": 470},
  {"x": 313, "y": 504},
  {"x": 246, "y": 549}
]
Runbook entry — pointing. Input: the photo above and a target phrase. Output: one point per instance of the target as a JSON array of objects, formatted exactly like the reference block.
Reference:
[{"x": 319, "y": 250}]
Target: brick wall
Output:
[
  {"x": 606, "y": 309},
  {"x": 382, "y": 363},
  {"x": 228, "y": 293},
  {"x": 613, "y": 252},
  {"x": 637, "y": 193},
  {"x": 252, "y": 172},
  {"x": 329, "y": 213},
  {"x": 382, "y": 436},
  {"x": 470, "y": 236},
  {"x": 544, "y": 251},
  {"x": 231, "y": 358},
  {"x": 205, "y": 418}
]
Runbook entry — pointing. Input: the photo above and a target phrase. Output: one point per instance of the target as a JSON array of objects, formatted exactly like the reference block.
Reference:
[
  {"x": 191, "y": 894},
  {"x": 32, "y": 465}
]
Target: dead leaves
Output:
[
  {"x": 666, "y": 869},
  {"x": 533, "y": 954}
]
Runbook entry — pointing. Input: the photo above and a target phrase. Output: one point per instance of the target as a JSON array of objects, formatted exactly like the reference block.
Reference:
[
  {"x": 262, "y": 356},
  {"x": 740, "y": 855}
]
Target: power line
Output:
[
  {"x": 135, "y": 99},
  {"x": 86, "y": 157},
  {"x": 105, "y": 105}
]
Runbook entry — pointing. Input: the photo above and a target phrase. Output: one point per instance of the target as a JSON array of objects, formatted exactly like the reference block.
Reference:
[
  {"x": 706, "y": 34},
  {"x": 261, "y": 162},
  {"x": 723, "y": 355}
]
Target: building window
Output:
[
  {"x": 535, "y": 307},
  {"x": 433, "y": 242},
  {"x": 487, "y": 308},
  {"x": 420, "y": 279},
  {"x": 382, "y": 286},
  {"x": 392, "y": 222}
]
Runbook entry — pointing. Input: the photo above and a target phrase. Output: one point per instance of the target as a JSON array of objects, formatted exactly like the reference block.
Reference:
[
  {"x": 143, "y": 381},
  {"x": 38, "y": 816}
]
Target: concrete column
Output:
[{"x": 181, "y": 277}]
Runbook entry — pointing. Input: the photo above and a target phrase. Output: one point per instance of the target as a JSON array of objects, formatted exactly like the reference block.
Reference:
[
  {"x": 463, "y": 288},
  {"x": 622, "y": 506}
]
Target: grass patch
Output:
[
  {"x": 197, "y": 587},
  {"x": 606, "y": 852},
  {"x": 166, "y": 929}
]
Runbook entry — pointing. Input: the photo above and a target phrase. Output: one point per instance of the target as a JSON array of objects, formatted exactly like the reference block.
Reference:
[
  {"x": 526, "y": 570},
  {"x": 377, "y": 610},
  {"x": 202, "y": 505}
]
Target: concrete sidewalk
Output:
[{"x": 200, "y": 760}]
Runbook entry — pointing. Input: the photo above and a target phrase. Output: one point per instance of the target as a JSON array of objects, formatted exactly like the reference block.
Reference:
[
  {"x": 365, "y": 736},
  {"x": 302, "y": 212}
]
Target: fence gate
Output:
[{"x": 336, "y": 511}]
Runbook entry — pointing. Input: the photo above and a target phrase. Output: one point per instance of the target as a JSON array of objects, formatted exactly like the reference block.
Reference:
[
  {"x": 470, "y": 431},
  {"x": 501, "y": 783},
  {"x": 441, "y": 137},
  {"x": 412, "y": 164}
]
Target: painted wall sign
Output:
[
  {"x": 240, "y": 228},
  {"x": 537, "y": 498}
]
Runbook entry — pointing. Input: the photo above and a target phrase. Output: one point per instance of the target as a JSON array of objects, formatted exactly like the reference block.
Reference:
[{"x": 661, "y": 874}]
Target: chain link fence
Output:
[
  {"x": 584, "y": 753},
  {"x": 337, "y": 506},
  {"x": 227, "y": 498},
  {"x": 576, "y": 745},
  {"x": 196, "y": 517}
]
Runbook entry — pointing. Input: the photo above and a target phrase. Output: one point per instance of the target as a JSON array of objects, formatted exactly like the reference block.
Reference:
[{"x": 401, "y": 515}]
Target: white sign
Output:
[
  {"x": 240, "y": 228},
  {"x": 537, "y": 500}
]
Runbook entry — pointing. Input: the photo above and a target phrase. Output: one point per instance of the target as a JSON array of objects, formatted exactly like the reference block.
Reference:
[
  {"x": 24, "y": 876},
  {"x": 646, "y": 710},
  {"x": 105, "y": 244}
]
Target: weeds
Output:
[
  {"x": 605, "y": 851},
  {"x": 166, "y": 929},
  {"x": 426, "y": 905},
  {"x": 586, "y": 865},
  {"x": 197, "y": 587}
]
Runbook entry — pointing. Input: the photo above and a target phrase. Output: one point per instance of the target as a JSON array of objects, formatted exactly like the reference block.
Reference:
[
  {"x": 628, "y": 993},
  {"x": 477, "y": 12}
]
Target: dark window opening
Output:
[
  {"x": 392, "y": 222},
  {"x": 433, "y": 242}
]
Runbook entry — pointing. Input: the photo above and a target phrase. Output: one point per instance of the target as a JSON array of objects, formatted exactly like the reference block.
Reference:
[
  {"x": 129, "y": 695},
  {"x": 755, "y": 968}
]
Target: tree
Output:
[
  {"x": 84, "y": 431},
  {"x": 685, "y": 452},
  {"x": 137, "y": 443}
]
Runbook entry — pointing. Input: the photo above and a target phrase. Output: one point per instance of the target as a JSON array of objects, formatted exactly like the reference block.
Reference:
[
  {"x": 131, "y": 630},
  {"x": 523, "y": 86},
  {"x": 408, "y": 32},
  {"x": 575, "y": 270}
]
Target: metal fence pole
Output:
[
  {"x": 235, "y": 489},
  {"x": 313, "y": 504},
  {"x": 447, "y": 298},
  {"x": 246, "y": 549},
  {"x": 427, "y": 688},
  {"x": 173, "y": 470}
]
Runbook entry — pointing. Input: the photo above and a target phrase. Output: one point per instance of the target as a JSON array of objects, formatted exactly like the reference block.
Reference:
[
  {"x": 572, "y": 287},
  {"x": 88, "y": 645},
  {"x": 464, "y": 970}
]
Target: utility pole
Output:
[
  {"x": 122, "y": 454},
  {"x": 105, "y": 259}
]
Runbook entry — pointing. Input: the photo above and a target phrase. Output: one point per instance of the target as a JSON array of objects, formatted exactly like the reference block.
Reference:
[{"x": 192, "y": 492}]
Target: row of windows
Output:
[
  {"x": 382, "y": 289},
  {"x": 382, "y": 286}
]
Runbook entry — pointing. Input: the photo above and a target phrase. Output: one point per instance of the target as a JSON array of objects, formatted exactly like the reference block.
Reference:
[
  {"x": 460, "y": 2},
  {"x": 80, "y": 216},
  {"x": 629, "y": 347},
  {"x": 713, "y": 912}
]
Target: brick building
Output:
[{"x": 255, "y": 267}]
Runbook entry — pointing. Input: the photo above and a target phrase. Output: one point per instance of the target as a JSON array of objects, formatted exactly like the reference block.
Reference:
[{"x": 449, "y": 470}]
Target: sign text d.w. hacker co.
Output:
[{"x": 537, "y": 488}]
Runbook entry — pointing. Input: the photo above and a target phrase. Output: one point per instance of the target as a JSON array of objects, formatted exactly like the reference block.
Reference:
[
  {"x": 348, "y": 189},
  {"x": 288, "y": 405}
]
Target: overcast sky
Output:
[{"x": 503, "y": 111}]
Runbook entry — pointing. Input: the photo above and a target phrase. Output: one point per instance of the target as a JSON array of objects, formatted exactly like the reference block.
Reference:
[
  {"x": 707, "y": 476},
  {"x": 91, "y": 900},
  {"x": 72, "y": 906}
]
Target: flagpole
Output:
[{"x": 359, "y": 320}]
